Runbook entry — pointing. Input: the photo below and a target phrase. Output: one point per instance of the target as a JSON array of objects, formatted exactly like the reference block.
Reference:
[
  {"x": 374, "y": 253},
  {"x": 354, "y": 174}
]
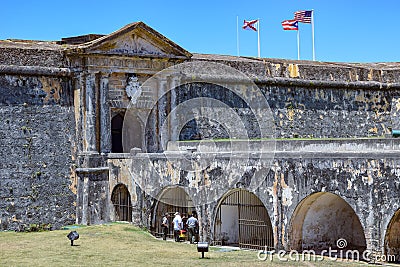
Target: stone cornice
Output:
[{"x": 35, "y": 70}]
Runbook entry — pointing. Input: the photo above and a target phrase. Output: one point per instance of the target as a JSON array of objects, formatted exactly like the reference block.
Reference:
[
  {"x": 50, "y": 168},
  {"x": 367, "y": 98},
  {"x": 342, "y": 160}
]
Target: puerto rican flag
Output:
[
  {"x": 290, "y": 24},
  {"x": 250, "y": 25}
]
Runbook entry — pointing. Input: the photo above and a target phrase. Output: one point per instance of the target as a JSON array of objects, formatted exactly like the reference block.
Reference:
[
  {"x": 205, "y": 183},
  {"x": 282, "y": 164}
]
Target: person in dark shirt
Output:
[{"x": 165, "y": 225}]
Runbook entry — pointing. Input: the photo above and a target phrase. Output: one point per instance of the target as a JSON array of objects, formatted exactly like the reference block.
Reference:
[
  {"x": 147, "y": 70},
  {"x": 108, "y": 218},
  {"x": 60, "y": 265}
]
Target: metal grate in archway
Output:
[
  {"x": 242, "y": 220},
  {"x": 172, "y": 200},
  {"x": 121, "y": 200}
]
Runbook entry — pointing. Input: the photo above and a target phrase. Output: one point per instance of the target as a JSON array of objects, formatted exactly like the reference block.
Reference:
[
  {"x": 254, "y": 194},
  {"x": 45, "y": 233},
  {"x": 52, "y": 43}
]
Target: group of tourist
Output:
[{"x": 179, "y": 223}]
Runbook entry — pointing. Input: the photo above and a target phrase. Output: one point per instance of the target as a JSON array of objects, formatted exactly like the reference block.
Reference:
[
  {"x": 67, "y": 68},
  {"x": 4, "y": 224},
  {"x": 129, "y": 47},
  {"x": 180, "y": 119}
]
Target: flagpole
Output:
[
  {"x": 258, "y": 30},
  {"x": 312, "y": 29},
  {"x": 298, "y": 42},
  {"x": 237, "y": 35}
]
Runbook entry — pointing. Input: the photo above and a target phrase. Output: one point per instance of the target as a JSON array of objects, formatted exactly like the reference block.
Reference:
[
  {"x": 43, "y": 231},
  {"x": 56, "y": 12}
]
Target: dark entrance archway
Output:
[
  {"x": 392, "y": 239},
  {"x": 117, "y": 124},
  {"x": 121, "y": 200},
  {"x": 242, "y": 220},
  {"x": 171, "y": 200},
  {"x": 320, "y": 220}
]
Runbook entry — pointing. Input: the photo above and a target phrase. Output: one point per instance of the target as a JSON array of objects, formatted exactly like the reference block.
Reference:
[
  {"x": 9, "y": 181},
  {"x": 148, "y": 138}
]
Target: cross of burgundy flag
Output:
[{"x": 250, "y": 25}]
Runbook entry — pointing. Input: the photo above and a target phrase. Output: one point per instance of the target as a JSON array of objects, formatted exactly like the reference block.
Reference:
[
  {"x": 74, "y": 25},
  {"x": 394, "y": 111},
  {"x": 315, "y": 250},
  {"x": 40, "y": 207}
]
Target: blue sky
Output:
[{"x": 345, "y": 30}]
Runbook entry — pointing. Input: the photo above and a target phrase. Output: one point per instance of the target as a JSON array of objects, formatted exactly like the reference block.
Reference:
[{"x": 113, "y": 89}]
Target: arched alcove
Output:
[
  {"x": 320, "y": 220},
  {"x": 392, "y": 239},
  {"x": 121, "y": 200},
  {"x": 171, "y": 200},
  {"x": 242, "y": 220}
]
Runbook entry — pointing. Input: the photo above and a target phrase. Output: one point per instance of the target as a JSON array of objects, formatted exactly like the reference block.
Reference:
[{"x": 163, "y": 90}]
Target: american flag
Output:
[
  {"x": 291, "y": 24},
  {"x": 303, "y": 16}
]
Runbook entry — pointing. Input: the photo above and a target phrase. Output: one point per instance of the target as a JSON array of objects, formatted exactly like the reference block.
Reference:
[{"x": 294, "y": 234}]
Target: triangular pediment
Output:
[{"x": 136, "y": 39}]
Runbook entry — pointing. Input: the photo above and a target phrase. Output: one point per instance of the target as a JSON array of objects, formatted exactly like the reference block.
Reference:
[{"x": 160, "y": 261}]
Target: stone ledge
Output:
[
  {"x": 35, "y": 70},
  {"x": 289, "y": 145},
  {"x": 92, "y": 170},
  {"x": 196, "y": 156},
  {"x": 229, "y": 79}
]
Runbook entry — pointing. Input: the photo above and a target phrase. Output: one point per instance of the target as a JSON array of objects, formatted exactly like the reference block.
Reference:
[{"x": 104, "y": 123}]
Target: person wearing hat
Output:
[
  {"x": 165, "y": 225},
  {"x": 178, "y": 226}
]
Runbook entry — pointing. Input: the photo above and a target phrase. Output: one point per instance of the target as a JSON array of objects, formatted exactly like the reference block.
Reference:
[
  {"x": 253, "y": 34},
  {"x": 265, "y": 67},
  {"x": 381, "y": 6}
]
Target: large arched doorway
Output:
[
  {"x": 242, "y": 220},
  {"x": 121, "y": 200},
  {"x": 392, "y": 239},
  {"x": 171, "y": 200},
  {"x": 320, "y": 220}
]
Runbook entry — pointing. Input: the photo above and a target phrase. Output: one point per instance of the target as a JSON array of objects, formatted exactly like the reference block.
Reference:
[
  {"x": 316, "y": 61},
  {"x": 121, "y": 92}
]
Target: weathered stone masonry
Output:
[
  {"x": 37, "y": 137},
  {"x": 335, "y": 164}
]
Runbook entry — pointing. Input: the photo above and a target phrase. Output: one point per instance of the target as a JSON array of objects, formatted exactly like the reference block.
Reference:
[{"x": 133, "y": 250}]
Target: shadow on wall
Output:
[{"x": 320, "y": 220}]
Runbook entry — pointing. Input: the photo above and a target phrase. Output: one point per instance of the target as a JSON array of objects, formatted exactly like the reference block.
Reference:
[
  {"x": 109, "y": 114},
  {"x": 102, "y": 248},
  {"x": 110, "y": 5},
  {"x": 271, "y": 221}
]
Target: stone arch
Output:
[
  {"x": 117, "y": 123},
  {"x": 121, "y": 200},
  {"x": 392, "y": 238},
  {"x": 170, "y": 200},
  {"x": 322, "y": 218},
  {"x": 242, "y": 220}
]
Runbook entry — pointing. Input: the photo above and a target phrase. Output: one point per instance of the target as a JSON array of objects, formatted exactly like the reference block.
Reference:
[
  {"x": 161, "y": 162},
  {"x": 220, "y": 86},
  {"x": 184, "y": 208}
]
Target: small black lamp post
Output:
[
  {"x": 73, "y": 236},
  {"x": 202, "y": 247}
]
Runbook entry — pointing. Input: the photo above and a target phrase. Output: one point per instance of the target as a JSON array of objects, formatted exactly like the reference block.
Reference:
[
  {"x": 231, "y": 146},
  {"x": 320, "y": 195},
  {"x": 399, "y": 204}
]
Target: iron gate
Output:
[
  {"x": 172, "y": 200},
  {"x": 243, "y": 221},
  {"x": 121, "y": 200}
]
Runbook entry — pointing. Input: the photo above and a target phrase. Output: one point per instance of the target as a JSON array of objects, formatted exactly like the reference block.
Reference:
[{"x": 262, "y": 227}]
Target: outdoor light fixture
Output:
[
  {"x": 202, "y": 247},
  {"x": 395, "y": 133},
  {"x": 73, "y": 236}
]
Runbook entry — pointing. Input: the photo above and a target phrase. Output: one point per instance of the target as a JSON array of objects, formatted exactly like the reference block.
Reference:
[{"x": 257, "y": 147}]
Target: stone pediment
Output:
[{"x": 136, "y": 39}]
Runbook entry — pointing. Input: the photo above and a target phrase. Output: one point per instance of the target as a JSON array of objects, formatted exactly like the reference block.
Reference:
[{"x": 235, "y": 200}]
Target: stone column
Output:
[
  {"x": 162, "y": 110},
  {"x": 85, "y": 201},
  {"x": 277, "y": 221},
  {"x": 82, "y": 199},
  {"x": 173, "y": 123},
  {"x": 79, "y": 84},
  {"x": 372, "y": 228},
  {"x": 137, "y": 204},
  {"x": 105, "y": 122},
  {"x": 90, "y": 134}
]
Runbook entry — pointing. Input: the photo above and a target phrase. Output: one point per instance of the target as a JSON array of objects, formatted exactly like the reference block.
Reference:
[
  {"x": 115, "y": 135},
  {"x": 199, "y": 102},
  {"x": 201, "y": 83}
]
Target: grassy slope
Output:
[{"x": 121, "y": 245}]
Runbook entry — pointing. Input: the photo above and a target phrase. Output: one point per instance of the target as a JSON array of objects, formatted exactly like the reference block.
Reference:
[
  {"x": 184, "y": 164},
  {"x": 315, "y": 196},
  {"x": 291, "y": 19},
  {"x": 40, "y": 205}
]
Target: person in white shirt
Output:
[
  {"x": 192, "y": 224},
  {"x": 178, "y": 226}
]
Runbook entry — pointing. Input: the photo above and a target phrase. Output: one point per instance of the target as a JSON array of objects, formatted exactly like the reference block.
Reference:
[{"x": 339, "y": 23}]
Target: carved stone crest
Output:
[{"x": 133, "y": 89}]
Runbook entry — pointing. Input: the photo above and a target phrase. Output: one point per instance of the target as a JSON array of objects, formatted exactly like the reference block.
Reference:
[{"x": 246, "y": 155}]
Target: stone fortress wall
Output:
[{"x": 334, "y": 165}]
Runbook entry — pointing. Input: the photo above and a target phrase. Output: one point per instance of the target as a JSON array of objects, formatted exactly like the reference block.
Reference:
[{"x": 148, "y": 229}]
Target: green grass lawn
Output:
[{"x": 120, "y": 244}]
